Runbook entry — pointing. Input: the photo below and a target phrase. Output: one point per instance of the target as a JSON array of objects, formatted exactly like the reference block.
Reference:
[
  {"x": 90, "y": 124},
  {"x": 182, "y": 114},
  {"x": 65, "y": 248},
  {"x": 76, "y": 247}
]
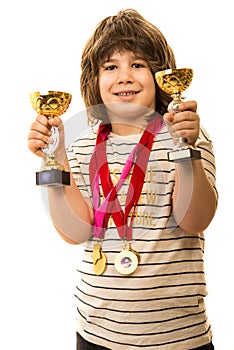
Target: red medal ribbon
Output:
[{"x": 137, "y": 161}]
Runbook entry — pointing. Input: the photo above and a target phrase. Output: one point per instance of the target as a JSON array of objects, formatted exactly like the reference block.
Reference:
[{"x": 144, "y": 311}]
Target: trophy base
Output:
[
  {"x": 184, "y": 154},
  {"x": 53, "y": 177}
]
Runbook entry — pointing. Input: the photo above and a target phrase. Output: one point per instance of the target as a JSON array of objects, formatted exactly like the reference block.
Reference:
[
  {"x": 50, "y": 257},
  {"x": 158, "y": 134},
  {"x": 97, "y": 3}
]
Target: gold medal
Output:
[
  {"x": 99, "y": 260},
  {"x": 96, "y": 254},
  {"x": 126, "y": 262},
  {"x": 100, "y": 266}
]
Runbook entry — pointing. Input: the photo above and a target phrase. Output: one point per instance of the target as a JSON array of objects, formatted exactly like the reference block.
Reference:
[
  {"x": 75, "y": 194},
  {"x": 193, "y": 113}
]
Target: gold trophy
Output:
[
  {"x": 51, "y": 104},
  {"x": 175, "y": 81}
]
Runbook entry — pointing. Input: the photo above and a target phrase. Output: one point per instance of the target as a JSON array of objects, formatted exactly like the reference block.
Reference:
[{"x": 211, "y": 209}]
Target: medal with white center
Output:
[{"x": 126, "y": 262}]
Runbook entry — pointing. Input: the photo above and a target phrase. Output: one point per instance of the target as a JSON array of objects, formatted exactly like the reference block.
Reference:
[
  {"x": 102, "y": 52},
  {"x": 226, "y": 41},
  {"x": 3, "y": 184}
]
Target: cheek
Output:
[
  {"x": 102, "y": 86},
  {"x": 150, "y": 87},
  {"x": 151, "y": 82},
  {"x": 153, "y": 87}
]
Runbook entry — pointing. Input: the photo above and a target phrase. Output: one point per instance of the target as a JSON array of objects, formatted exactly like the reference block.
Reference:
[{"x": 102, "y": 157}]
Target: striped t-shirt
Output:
[{"x": 161, "y": 305}]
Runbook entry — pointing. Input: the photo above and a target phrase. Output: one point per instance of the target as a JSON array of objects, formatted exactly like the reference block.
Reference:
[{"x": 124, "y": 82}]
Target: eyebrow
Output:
[{"x": 111, "y": 59}]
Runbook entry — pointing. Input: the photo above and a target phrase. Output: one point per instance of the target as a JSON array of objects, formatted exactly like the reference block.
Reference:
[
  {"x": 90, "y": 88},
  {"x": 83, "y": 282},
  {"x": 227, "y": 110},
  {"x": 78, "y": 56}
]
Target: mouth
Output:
[{"x": 126, "y": 93}]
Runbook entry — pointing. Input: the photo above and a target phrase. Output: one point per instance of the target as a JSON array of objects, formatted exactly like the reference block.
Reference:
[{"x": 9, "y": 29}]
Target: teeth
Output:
[{"x": 126, "y": 93}]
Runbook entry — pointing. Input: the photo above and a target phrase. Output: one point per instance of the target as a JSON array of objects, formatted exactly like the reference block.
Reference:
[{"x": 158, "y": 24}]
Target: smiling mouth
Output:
[{"x": 127, "y": 93}]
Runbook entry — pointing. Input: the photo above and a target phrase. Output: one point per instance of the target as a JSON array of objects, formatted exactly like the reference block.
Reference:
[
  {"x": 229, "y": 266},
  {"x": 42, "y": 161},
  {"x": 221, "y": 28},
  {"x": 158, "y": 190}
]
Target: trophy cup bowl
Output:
[
  {"x": 175, "y": 81},
  {"x": 51, "y": 104}
]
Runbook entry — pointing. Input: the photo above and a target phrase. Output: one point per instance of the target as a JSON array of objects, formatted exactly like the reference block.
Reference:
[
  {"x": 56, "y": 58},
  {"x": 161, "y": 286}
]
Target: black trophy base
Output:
[
  {"x": 53, "y": 177},
  {"x": 184, "y": 154}
]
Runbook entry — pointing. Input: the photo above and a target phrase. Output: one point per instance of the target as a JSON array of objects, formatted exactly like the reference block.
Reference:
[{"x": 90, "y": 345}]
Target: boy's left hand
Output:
[{"x": 185, "y": 123}]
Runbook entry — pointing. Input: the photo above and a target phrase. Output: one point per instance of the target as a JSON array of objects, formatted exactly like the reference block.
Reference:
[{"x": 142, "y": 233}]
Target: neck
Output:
[
  {"x": 123, "y": 129},
  {"x": 129, "y": 125}
]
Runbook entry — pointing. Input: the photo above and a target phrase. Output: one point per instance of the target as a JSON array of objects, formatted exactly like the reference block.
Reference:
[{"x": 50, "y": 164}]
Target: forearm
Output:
[
  {"x": 194, "y": 199},
  {"x": 71, "y": 215}
]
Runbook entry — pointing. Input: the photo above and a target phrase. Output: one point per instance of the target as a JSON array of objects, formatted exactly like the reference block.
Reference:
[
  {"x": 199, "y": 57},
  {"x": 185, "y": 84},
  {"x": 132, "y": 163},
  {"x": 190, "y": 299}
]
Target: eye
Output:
[
  {"x": 110, "y": 67},
  {"x": 138, "y": 65}
]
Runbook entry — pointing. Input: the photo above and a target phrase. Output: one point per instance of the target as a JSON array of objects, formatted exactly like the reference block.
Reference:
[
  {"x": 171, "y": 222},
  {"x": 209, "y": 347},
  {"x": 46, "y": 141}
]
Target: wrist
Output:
[{"x": 60, "y": 155}]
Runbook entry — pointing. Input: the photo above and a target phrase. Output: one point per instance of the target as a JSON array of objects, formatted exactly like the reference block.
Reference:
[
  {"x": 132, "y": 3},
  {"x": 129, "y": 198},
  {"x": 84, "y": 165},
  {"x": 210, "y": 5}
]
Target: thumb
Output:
[{"x": 168, "y": 117}]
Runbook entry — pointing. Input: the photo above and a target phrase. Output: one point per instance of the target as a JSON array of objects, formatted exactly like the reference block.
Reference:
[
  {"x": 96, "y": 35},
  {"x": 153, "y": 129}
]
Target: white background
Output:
[{"x": 41, "y": 44}]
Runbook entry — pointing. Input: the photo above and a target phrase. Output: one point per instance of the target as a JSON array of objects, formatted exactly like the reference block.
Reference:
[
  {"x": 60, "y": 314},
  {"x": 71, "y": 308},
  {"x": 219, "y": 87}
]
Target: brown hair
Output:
[{"x": 127, "y": 30}]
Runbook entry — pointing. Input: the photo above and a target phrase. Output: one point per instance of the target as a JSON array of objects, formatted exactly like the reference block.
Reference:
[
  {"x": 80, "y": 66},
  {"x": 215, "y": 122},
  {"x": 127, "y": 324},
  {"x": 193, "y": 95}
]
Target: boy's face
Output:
[{"x": 126, "y": 81}]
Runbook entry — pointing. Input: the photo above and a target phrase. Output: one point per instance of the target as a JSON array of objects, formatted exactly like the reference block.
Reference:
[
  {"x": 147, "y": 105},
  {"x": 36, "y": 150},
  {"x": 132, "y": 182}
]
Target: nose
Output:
[{"x": 125, "y": 76}]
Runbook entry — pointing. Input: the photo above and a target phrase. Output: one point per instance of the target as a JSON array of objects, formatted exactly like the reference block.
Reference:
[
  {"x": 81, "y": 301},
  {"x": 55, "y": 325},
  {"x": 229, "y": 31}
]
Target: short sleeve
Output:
[
  {"x": 204, "y": 144},
  {"x": 77, "y": 173}
]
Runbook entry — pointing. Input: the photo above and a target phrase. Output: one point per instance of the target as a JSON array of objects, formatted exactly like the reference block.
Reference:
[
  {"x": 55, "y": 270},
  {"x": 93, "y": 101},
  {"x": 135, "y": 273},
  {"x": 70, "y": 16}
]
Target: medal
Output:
[
  {"x": 126, "y": 262},
  {"x": 99, "y": 260},
  {"x": 96, "y": 254}
]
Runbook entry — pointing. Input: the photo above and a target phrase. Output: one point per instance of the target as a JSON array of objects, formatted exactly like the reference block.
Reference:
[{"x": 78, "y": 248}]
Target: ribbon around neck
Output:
[{"x": 99, "y": 172}]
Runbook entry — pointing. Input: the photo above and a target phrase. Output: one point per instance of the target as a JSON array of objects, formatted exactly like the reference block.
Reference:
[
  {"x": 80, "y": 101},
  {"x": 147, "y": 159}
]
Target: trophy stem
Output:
[
  {"x": 51, "y": 163},
  {"x": 174, "y": 105},
  {"x": 177, "y": 100},
  {"x": 180, "y": 143}
]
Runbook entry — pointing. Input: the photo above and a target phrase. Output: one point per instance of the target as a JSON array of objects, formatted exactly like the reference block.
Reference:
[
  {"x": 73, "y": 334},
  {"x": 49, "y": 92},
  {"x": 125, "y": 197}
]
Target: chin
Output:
[{"x": 127, "y": 111}]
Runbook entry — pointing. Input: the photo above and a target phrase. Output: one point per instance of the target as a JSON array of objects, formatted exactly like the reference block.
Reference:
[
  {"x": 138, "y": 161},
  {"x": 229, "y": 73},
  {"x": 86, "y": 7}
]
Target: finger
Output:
[
  {"x": 56, "y": 121},
  {"x": 187, "y": 130},
  {"x": 42, "y": 119},
  {"x": 188, "y": 106},
  {"x": 38, "y": 129},
  {"x": 188, "y": 136},
  {"x": 168, "y": 117},
  {"x": 185, "y": 116},
  {"x": 36, "y": 147},
  {"x": 36, "y": 135},
  {"x": 185, "y": 124},
  {"x": 41, "y": 125}
]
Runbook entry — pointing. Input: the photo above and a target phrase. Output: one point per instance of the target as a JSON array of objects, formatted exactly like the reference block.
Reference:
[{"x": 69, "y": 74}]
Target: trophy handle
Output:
[
  {"x": 50, "y": 162},
  {"x": 174, "y": 106},
  {"x": 51, "y": 147}
]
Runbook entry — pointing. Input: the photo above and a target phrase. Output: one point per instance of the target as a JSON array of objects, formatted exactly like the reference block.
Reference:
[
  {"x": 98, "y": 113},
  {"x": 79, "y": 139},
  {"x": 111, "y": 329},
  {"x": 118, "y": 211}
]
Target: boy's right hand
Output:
[{"x": 39, "y": 134}]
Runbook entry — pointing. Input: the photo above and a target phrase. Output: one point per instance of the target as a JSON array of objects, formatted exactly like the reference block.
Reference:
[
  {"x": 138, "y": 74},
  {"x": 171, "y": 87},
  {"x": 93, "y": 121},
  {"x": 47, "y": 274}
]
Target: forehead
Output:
[{"x": 119, "y": 54}]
